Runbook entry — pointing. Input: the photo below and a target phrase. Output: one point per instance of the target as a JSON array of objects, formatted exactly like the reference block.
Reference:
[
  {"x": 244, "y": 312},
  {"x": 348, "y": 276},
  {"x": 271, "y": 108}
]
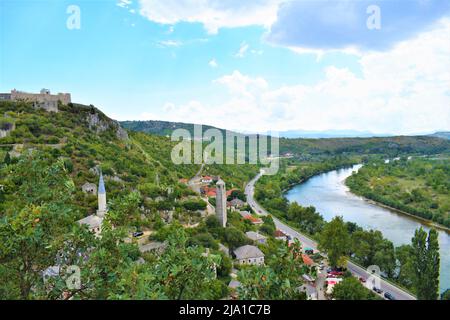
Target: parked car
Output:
[
  {"x": 389, "y": 296},
  {"x": 337, "y": 273},
  {"x": 138, "y": 234},
  {"x": 377, "y": 290},
  {"x": 331, "y": 275},
  {"x": 362, "y": 280}
]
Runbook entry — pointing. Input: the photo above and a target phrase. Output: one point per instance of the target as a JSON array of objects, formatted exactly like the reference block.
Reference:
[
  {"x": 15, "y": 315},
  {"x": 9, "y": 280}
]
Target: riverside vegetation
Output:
[
  {"x": 346, "y": 240},
  {"x": 418, "y": 186}
]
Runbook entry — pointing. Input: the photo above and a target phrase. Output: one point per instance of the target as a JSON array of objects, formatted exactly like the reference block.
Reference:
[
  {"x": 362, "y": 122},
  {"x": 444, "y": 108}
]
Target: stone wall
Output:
[{"x": 43, "y": 100}]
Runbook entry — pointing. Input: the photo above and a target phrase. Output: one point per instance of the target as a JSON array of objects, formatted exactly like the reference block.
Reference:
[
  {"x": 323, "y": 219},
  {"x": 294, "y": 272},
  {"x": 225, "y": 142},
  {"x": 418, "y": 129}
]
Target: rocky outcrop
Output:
[
  {"x": 121, "y": 133},
  {"x": 96, "y": 123}
]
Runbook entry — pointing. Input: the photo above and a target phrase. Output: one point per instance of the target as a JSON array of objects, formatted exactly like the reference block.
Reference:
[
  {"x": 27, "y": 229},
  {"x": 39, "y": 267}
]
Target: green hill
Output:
[
  {"x": 88, "y": 141},
  {"x": 312, "y": 148}
]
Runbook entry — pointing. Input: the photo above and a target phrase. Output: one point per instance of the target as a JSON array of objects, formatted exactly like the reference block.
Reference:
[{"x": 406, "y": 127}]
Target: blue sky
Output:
[{"x": 259, "y": 65}]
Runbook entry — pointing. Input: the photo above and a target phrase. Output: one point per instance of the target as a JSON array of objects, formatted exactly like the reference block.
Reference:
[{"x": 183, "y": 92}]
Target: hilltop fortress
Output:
[{"x": 43, "y": 100}]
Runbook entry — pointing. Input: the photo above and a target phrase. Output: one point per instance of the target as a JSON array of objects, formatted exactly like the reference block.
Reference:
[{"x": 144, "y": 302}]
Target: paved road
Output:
[{"x": 359, "y": 272}]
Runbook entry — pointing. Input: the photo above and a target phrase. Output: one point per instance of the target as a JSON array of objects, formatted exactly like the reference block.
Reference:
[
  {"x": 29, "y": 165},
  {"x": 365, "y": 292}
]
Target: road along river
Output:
[
  {"x": 331, "y": 197},
  {"x": 357, "y": 271}
]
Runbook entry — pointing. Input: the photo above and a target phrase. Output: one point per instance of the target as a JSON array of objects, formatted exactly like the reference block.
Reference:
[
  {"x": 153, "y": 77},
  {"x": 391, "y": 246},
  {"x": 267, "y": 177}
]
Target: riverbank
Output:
[
  {"x": 416, "y": 188},
  {"x": 428, "y": 222},
  {"x": 309, "y": 240},
  {"x": 329, "y": 195}
]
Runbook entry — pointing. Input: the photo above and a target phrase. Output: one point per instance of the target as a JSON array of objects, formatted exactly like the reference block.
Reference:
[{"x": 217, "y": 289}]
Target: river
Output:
[{"x": 331, "y": 197}]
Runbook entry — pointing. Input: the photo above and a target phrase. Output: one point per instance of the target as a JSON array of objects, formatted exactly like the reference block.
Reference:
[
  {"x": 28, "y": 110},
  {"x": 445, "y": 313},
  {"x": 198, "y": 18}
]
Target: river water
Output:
[{"x": 331, "y": 197}]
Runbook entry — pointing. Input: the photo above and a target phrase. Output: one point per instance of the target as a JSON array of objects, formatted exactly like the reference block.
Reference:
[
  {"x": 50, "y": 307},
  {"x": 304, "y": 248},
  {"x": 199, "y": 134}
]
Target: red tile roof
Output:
[
  {"x": 279, "y": 233},
  {"x": 307, "y": 260}
]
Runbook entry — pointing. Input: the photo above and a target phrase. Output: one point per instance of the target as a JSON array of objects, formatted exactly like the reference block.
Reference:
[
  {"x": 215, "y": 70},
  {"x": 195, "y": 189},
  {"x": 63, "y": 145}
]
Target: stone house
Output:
[
  {"x": 249, "y": 255},
  {"x": 256, "y": 237}
]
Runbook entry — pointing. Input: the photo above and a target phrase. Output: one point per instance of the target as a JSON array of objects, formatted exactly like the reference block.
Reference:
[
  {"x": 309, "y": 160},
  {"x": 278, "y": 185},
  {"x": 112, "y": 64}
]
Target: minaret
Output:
[
  {"x": 101, "y": 198},
  {"x": 221, "y": 202}
]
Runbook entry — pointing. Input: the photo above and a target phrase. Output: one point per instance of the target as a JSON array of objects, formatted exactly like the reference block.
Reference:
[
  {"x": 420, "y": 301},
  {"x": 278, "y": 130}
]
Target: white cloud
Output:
[
  {"x": 124, "y": 3},
  {"x": 242, "y": 50},
  {"x": 213, "y": 63},
  {"x": 213, "y": 14},
  {"x": 170, "y": 43},
  {"x": 404, "y": 90}
]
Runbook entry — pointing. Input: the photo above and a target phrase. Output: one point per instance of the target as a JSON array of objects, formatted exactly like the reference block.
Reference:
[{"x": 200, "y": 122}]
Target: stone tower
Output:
[
  {"x": 221, "y": 202},
  {"x": 101, "y": 198}
]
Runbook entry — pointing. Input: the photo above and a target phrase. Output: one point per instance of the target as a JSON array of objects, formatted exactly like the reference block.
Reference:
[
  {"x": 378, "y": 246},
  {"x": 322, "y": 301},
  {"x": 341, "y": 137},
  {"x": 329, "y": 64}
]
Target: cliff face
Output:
[{"x": 100, "y": 124}]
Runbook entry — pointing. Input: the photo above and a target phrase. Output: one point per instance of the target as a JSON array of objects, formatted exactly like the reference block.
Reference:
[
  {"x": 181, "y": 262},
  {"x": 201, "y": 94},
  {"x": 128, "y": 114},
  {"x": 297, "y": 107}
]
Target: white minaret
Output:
[
  {"x": 101, "y": 198},
  {"x": 221, "y": 202}
]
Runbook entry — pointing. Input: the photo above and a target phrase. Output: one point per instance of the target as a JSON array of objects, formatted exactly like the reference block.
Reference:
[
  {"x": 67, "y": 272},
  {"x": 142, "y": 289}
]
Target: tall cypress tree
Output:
[
  {"x": 419, "y": 244},
  {"x": 426, "y": 264},
  {"x": 7, "y": 159},
  {"x": 433, "y": 265}
]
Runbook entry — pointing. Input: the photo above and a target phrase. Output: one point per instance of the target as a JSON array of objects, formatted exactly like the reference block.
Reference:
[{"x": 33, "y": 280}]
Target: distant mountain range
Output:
[
  {"x": 166, "y": 128},
  {"x": 293, "y": 134},
  {"x": 322, "y": 143},
  {"x": 443, "y": 135}
]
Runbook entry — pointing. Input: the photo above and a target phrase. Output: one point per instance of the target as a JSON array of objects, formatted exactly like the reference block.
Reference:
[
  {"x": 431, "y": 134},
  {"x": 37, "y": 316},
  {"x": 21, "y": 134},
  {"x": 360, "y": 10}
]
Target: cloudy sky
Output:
[{"x": 379, "y": 66}]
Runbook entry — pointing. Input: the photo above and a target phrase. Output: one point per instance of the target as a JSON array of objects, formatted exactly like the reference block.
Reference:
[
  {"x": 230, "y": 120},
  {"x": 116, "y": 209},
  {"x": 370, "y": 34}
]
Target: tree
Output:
[
  {"x": 180, "y": 273},
  {"x": 425, "y": 263},
  {"x": 278, "y": 280},
  {"x": 234, "y": 238},
  {"x": 445, "y": 295},
  {"x": 335, "y": 240},
  {"x": 351, "y": 289},
  {"x": 405, "y": 274},
  {"x": 124, "y": 211},
  {"x": 7, "y": 159},
  {"x": 433, "y": 269},
  {"x": 34, "y": 224},
  {"x": 268, "y": 227}
]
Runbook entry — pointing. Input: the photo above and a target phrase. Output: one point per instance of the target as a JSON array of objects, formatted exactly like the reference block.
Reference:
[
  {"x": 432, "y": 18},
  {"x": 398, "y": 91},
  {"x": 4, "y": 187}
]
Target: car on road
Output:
[
  {"x": 329, "y": 275},
  {"x": 337, "y": 273},
  {"x": 389, "y": 296},
  {"x": 377, "y": 290},
  {"x": 362, "y": 280},
  {"x": 138, "y": 234}
]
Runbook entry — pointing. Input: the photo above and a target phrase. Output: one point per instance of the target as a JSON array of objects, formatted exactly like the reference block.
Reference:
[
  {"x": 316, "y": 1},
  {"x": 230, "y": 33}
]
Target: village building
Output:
[
  {"x": 249, "y": 255},
  {"x": 256, "y": 237},
  {"x": 94, "y": 222},
  {"x": 235, "y": 204},
  {"x": 206, "y": 179},
  {"x": 280, "y": 235},
  {"x": 6, "y": 128}
]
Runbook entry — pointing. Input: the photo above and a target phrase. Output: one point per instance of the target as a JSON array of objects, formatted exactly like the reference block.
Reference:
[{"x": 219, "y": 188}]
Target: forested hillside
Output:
[
  {"x": 88, "y": 141},
  {"x": 307, "y": 149}
]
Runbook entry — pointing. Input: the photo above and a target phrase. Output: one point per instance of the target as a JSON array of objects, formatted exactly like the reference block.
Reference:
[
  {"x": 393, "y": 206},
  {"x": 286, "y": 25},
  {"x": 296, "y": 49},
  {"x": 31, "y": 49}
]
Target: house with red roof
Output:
[{"x": 307, "y": 260}]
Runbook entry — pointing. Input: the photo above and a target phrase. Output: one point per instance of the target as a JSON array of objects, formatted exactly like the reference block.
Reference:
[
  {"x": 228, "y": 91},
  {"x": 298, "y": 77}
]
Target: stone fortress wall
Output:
[{"x": 44, "y": 99}]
